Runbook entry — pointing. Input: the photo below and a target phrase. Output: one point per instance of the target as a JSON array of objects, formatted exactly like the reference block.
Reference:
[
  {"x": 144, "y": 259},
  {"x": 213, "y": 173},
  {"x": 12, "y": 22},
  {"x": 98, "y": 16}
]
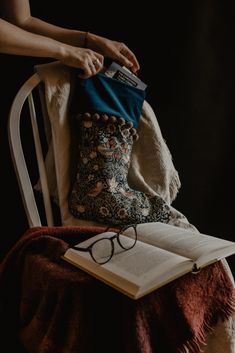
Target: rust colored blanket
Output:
[{"x": 56, "y": 308}]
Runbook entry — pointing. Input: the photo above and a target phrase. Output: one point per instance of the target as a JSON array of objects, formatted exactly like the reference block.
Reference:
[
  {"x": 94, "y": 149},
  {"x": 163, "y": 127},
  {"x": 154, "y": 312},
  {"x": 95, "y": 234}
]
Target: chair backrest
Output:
[{"x": 19, "y": 111}]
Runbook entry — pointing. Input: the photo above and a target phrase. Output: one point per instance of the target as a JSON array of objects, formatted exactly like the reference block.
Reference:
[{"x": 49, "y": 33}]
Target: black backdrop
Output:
[{"x": 186, "y": 52}]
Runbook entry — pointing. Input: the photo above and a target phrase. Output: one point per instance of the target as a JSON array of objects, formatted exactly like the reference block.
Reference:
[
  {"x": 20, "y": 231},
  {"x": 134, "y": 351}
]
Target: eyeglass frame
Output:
[{"x": 115, "y": 236}]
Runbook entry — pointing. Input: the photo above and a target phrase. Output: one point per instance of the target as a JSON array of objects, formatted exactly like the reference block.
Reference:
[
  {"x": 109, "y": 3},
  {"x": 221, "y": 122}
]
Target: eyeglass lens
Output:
[
  {"x": 102, "y": 250},
  {"x": 127, "y": 237}
]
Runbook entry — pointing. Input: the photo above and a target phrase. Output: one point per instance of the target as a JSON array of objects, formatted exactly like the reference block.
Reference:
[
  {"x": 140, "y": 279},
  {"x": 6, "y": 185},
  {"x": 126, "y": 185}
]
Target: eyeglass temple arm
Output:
[
  {"x": 80, "y": 249},
  {"x": 90, "y": 246}
]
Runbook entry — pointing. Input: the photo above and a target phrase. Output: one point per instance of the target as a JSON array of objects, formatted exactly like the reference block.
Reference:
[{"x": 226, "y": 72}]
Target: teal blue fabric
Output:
[{"x": 103, "y": 94}]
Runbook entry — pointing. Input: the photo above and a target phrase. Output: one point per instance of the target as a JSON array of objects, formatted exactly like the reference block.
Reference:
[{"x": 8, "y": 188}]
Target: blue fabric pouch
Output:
[{"x": 103, "y": 94}]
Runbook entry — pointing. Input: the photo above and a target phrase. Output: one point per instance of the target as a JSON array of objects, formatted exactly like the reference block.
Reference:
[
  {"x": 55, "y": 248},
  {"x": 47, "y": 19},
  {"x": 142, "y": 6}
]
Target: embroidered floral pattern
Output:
[{"x": 100, "y": 191}]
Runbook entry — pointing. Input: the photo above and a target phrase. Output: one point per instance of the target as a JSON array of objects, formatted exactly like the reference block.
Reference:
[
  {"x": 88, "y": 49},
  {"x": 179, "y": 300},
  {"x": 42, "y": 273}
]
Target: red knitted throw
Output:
[{"x": 55, "y": 307}]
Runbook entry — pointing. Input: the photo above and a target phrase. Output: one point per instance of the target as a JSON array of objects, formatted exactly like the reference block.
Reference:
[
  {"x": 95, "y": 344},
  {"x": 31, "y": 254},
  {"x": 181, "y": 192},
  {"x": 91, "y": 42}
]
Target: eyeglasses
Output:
[{"x": 102, "y": 250}]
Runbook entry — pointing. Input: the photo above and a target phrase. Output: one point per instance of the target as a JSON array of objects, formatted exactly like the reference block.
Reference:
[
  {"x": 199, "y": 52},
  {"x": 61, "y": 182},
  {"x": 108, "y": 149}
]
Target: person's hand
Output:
[
  {"x": 114, "y": 50},
  {"x": 88, "y": 61}
]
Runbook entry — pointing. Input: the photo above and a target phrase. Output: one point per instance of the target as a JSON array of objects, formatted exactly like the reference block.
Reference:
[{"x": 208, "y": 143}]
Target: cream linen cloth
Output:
[{"x": 151, "y": 170}]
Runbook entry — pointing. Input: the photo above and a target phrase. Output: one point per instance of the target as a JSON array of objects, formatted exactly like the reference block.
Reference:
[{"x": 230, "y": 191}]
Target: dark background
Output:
[{"x": 186, "y": 52}]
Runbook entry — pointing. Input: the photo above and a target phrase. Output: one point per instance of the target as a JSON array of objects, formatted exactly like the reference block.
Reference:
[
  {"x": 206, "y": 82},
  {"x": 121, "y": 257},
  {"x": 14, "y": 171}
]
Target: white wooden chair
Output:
[
  {"x": 31, "y": 94},
  {"x": 28, "y": 93}
]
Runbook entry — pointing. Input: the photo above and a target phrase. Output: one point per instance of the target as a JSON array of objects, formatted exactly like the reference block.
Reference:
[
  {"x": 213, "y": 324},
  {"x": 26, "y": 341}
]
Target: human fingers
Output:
[
  {"x": 100, "y": 58},
  {"x": 88, "y": 70},
  {"x": 91, "y": 66},
  {"x": 128, "y": 58},
  {"x": 127, "y": 53},
  {"x": 97, "y": 62}
]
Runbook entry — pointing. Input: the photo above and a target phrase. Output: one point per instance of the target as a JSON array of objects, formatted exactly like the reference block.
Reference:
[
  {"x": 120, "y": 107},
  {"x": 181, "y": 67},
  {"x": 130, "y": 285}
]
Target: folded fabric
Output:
[
  {"x": 55, "y": 307},
  {"x": 103, "y": 94}
]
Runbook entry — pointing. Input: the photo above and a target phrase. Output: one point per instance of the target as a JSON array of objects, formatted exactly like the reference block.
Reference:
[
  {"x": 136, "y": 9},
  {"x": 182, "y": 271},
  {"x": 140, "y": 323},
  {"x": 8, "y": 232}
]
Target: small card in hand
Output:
[{"x": 121, "y": 73}]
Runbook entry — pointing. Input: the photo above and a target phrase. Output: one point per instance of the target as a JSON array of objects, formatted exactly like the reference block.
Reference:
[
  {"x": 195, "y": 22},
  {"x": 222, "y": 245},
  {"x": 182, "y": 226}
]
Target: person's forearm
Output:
[
  {"x": 18, "y": 13},
  {"x": 14, "y": 40},
  {"x": 52, "y": 38},
  {"x": 68, "y": 36}
]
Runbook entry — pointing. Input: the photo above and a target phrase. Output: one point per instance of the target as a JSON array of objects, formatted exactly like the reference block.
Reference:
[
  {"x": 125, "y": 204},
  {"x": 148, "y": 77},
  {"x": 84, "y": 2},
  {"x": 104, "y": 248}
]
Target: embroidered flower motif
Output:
[
  {"x": 96, "y": 167},
  {"x": 85, "y": 160},
  {"x": 126, "y": 159},
  {"x": 113, "y": 142},
  {"x": 125, "y": 148},
  {"x": 111, "y": 128},
  {"x": 93, "y": 154},
  {"x": 117, "y": 155},
  {"x": 90, "y": 177},
  {"x": 96, "y": 190},
  {"x": 104, "y": 211},
  {"x": 112, "y": 183},
  {"x": 127, "y": 193},
  {"x": 122, "y": 213},
  {"x": 81, "y": 209},
  {"x": 87, "y": 124},
  {"x": 104, "y": 150},
  {"x": 125, "y": 132},
  {"x": 145, "y": 212}
]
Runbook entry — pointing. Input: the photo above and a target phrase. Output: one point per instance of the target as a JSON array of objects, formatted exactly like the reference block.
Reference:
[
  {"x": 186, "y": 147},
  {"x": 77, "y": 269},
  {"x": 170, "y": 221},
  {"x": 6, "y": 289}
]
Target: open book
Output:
[{"x": 161, "y": 254}]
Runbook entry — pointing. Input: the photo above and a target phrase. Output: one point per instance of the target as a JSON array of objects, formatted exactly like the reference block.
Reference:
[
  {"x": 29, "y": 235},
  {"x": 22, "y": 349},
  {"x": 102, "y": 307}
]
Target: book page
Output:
[
  {"x": 141, "y": 265},
  {"x": 145, "y": 262},
  {"x": 184, "y": 242}
]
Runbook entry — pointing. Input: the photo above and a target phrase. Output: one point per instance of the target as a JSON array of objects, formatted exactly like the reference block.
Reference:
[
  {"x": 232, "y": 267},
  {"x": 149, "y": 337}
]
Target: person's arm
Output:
[
  {"x": 14, "y": 40},
  {"x": 117, "y": 51},
  {"x": 18, "y": 12}
]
